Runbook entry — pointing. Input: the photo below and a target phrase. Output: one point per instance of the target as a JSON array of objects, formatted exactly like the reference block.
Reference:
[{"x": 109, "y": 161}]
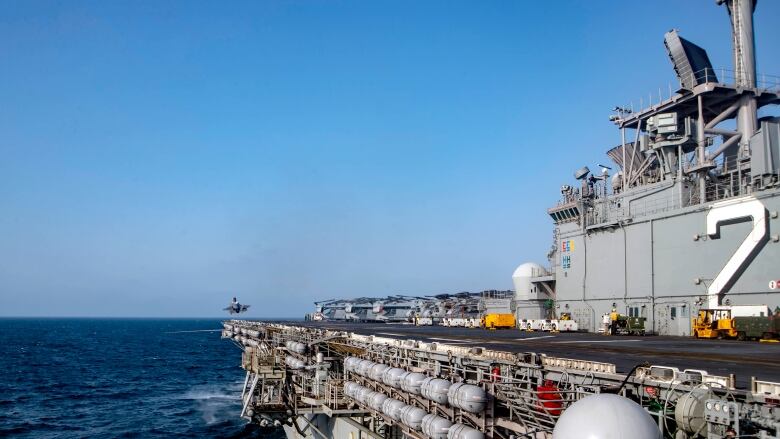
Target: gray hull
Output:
[{"x": 329, "y": 427}]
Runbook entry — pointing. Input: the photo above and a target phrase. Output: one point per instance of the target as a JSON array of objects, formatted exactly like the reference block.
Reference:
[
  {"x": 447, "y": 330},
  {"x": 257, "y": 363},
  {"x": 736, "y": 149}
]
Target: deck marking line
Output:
[
  {"x": 535, "y": 338},
  {"x": 597, "y": 341},
  {"x": 448, "y": 339}
]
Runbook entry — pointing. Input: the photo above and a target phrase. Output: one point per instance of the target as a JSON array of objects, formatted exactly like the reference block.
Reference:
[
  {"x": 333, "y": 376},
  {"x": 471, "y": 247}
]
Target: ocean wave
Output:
[
  {"x": 215, "y": 403},
  {"x": 213, "y": 391},
  {"x": 118, "y": 379}
]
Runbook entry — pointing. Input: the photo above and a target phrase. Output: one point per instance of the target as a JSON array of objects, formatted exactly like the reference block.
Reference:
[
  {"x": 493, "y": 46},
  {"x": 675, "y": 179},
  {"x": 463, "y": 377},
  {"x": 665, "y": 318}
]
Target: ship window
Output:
[{"x": 674, "y": 312}]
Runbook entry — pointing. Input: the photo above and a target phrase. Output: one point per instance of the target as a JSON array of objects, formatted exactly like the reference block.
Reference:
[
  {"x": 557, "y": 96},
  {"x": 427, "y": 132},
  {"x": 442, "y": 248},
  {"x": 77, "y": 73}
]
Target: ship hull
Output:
[{"x": 331, "y": 427}]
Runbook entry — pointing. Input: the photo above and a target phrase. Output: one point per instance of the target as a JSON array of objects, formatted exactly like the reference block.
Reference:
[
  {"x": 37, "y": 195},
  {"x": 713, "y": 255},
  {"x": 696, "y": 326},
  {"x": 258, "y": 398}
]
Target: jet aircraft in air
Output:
[{"x": 235, "y": 307}]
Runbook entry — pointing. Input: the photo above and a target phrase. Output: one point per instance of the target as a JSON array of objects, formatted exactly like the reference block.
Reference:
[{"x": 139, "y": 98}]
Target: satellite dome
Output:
[
  {"x": 529, "y": 269},
  {"x": 521, "y": 279},
  {"x": 606, "y": 416}
]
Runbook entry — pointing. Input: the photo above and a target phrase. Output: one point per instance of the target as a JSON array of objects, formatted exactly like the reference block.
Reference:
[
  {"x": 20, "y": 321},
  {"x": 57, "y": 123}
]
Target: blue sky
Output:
[{"x": 158, "y": 158}]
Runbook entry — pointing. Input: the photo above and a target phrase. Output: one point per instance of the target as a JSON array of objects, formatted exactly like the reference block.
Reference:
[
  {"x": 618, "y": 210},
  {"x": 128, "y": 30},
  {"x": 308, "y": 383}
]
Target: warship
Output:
[{"x": 687, "y": 224}]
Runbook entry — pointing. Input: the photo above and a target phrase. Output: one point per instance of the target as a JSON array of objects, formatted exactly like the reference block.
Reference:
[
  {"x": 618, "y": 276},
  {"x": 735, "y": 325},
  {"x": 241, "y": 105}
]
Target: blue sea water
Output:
[{"x": 63, "y": 378}]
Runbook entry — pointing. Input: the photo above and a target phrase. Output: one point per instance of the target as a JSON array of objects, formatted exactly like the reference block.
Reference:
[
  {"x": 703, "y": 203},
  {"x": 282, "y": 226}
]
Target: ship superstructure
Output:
[{"x": 689, "y": 219}]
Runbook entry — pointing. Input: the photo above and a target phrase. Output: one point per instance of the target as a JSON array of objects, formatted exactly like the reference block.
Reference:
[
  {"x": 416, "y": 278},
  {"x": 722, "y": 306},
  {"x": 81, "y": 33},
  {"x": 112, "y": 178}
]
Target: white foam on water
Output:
[{"x": 215, "y": 403}]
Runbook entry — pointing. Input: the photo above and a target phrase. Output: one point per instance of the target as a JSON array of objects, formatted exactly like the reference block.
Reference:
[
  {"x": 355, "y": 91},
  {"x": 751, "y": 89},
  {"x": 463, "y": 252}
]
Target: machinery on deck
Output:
[
  {"x": 320, "y": 383},
  {"x": 619, "y": 324},
  {"x": 497, "y": 321},
  {"x": 548, "y": 325},
  {"x": 737, "y": 322}
]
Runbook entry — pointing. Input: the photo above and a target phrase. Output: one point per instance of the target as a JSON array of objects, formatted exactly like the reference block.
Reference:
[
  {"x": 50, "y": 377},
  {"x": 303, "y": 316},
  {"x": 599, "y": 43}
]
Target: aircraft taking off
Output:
[{"x": 236, "y": 308}]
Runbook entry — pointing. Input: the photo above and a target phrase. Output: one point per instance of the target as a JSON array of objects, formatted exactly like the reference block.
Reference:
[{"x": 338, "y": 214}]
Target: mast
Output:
[{"x": 744, "y": 49}]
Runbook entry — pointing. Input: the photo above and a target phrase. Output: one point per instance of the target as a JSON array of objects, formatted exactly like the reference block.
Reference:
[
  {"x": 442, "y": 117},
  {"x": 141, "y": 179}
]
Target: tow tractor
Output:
[
  {"x": 739, "y": 322},
  {"x": 619, "y": 324},
  {"x": 562, "y": 324}
]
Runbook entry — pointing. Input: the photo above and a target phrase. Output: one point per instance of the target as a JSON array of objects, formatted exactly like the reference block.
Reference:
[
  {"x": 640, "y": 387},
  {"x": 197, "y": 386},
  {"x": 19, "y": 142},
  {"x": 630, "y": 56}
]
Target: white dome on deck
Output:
[
  {"x": 521, "y": 278},
  {"x": 529, "y": 269},
  {"x": 606, "y": 416}
]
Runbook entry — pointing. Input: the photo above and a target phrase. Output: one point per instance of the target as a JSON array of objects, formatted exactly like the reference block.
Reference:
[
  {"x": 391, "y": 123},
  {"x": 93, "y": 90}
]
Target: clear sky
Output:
[{"x": 157, "y": 158}]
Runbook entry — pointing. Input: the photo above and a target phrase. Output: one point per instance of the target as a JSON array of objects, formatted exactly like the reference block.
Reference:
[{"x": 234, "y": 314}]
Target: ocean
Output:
[{"x": 62, "y": 378}]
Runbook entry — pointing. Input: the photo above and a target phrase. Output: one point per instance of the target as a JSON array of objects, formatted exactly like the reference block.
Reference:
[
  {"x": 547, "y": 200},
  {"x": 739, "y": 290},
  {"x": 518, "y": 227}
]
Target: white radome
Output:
[
  {"x": 528, "y": 269},
  {"x": 606, "y": 416},
  {"x": 521, "y": 278}
]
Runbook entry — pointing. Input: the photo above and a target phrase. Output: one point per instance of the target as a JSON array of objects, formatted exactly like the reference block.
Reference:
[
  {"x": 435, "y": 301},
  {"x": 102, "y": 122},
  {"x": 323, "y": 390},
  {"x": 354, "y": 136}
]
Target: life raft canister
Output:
[{"x": 550, "y": 397}]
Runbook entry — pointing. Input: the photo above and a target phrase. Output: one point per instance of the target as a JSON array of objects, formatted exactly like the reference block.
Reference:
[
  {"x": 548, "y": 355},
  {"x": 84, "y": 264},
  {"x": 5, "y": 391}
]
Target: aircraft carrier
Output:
[{"x": 687, "y": 221}]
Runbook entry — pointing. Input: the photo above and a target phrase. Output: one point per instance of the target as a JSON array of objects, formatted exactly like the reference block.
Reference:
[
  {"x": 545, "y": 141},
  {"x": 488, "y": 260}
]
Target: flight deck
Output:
[{"x": 719, "y": 357}]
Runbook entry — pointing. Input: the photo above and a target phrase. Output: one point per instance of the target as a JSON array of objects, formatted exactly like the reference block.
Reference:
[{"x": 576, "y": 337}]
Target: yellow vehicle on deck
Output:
[
  {"x": 713, "y": 323},
  {"x": 741, "y": 322},
  {"x": 498, "y": 321}
]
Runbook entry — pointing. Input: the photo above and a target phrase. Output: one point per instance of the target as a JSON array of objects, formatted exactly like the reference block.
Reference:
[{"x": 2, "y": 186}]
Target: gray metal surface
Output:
[
  {"x": 744, "y": 359},
  {"x": 690, "y": 219},
  {"x": 492, "y": 392},
  {"x": 685, "y": 223}
]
